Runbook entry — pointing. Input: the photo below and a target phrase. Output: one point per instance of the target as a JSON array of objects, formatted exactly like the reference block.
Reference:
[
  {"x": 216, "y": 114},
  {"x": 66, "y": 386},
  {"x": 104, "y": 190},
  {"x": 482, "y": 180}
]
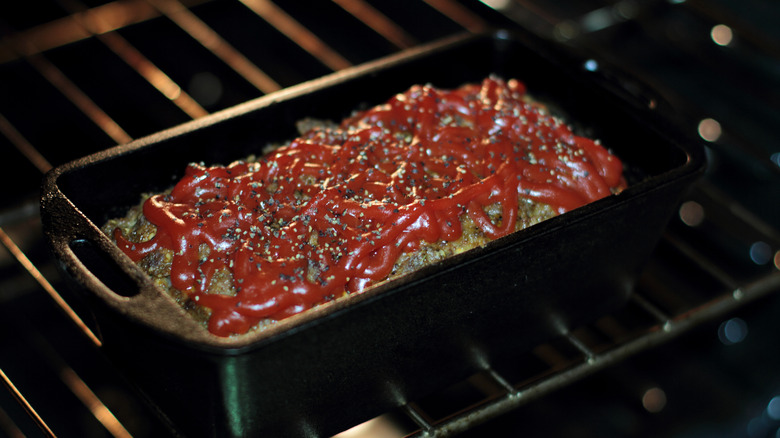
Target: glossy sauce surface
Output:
[{"x": 332, "y": 211}]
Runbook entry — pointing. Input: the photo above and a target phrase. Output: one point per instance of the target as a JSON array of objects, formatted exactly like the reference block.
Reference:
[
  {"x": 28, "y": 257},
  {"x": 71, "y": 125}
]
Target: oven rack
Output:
[{"x": 700, "y": 284}]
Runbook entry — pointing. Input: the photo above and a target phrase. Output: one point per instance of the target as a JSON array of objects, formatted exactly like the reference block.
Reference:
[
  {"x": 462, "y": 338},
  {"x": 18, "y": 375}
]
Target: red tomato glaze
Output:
[{"x": 332, "y": 211}]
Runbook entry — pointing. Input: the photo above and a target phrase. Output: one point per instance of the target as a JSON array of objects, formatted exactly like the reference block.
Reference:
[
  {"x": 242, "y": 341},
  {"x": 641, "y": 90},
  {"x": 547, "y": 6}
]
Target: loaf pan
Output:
[{"x": 324, "y": 370}]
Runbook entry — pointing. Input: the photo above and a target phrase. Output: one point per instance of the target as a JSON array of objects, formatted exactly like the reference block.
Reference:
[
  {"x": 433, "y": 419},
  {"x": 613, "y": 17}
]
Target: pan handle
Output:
[
  {"x": 111, "y": 285},
  {"x": 85, "y": 255},
  {"x": 103, "y": 267}
]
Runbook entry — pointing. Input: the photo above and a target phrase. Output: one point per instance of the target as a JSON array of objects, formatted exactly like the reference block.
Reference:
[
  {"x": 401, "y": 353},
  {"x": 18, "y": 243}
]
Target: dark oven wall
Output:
[{"x": 693, "y": 352}]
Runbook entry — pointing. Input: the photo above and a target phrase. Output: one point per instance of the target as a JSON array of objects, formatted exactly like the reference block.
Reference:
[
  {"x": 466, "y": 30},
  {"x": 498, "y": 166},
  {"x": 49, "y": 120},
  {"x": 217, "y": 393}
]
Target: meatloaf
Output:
[{"x": 428, "y": 174}]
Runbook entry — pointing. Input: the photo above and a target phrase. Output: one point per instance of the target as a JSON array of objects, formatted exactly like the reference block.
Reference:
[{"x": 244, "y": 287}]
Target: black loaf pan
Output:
[{"x": 317, "y": 373}]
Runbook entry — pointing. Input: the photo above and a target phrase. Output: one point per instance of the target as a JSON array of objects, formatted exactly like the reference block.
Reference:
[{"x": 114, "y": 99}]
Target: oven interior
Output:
[{"x": 693, "y": 354}]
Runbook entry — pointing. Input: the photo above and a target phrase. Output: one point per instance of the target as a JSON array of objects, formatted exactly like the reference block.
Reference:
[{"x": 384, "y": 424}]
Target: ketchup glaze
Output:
[{"x": 331, "y": 212}]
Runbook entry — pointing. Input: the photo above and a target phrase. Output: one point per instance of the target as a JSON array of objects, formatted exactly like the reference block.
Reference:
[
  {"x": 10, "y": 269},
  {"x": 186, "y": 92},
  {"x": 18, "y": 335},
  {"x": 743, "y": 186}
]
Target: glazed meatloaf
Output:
[{"x": 426, "y": 175}]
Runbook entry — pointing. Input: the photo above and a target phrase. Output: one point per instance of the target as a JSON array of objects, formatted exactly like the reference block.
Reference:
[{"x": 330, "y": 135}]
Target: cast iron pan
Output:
[{"x": 330, "y": 368}]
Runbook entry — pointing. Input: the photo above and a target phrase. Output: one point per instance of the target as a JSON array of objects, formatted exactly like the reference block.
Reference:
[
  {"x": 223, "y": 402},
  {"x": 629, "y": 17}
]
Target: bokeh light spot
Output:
[
  {"x": 710, "y": 130},
  {"x": 733, "y": 331},
  {"x": 654, "y": 400},
  {"x": 722, "y": 35}
]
